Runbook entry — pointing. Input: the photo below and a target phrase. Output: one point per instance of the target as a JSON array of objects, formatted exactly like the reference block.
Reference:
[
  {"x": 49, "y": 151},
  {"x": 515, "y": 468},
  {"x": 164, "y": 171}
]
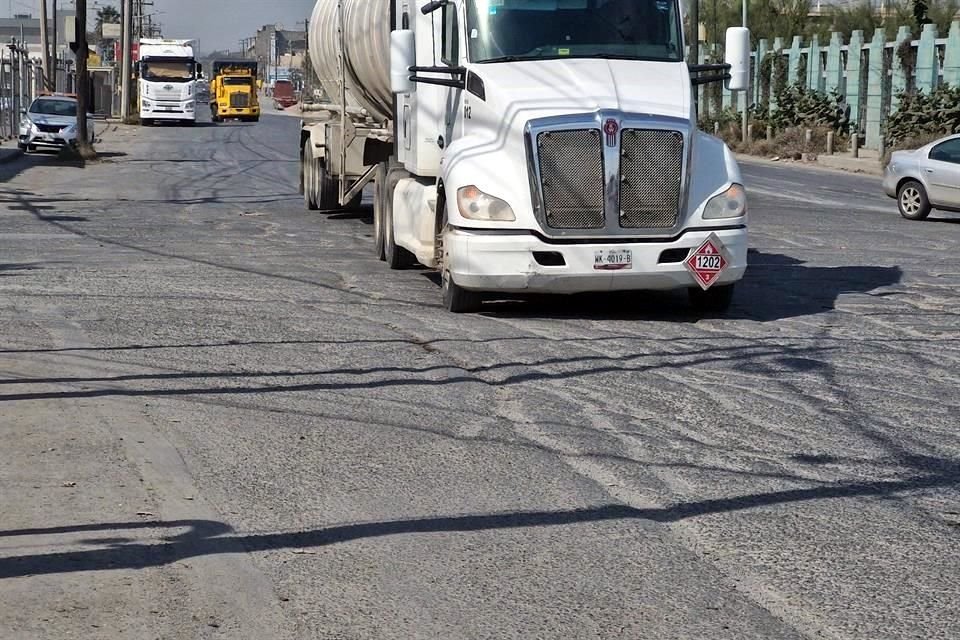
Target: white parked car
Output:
[
  {"x": 51, "y": 122},
  {"x": 925, "y": 179}
]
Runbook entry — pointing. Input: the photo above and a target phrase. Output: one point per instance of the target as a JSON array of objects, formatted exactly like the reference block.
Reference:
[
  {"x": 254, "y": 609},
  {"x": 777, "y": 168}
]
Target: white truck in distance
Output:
[
  {"x": 528, "y": 145},
  {"x": 168, "y": 79}
]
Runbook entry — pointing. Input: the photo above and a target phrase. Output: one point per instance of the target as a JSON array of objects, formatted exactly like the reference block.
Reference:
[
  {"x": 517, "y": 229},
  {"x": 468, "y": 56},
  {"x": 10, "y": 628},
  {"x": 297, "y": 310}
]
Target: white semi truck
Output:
[
  {"x": 528, "y": 145},
  {"x": 168, "y": 81}
]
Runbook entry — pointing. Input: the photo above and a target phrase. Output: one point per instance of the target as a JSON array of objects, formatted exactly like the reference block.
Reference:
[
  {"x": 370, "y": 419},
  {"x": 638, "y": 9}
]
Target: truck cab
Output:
[
  {"x": 167, "y": 84},
  {"x": 233, "y": 91},
  {"x": 531, "y": 146}
]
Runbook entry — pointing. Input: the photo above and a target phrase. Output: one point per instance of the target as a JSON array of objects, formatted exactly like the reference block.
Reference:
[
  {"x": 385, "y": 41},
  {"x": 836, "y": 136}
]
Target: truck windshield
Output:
[
  {"x": 168, "y": 70},
  {"x": 510, "y": 30},
  {"x": 234, "y": 81}
]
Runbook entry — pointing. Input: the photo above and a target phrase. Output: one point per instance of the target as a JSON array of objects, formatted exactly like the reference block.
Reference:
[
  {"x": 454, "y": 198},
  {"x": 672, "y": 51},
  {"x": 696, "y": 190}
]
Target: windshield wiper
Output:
[{"x": 505, "y": 59}]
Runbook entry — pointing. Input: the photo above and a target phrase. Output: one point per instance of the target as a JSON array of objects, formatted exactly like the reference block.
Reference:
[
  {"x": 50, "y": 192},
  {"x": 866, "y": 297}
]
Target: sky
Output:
[{"x": 218, "y": 24}]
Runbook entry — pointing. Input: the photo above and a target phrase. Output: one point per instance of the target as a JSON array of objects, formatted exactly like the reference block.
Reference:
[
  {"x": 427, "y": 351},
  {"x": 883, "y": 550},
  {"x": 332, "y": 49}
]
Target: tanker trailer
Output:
[{"x": 528, "y": 145}]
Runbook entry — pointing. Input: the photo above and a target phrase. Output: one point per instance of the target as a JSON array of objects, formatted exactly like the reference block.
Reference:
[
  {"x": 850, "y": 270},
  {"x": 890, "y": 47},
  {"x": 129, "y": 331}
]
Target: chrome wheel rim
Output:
[{"x": 910, "y": 200}]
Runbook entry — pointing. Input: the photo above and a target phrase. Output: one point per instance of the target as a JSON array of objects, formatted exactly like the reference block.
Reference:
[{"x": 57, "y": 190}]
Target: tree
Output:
[{"x": 106, "y": 15}]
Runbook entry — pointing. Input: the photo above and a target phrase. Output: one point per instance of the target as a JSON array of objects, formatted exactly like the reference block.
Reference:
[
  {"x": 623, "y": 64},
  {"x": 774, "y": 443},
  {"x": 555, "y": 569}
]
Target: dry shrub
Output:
[{"x": 791, "y": 143}]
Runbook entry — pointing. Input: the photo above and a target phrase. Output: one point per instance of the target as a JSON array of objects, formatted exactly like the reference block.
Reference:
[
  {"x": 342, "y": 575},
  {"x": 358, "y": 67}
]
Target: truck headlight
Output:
[
  {"x": 147, "y": 104},
  {"x": 477, "y": 205},
  {"x": 732, "y": 203}
]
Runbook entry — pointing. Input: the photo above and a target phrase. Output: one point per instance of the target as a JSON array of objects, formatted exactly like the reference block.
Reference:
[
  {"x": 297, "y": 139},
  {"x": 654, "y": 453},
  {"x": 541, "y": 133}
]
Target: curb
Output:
[{"x": 814, "y": 166}]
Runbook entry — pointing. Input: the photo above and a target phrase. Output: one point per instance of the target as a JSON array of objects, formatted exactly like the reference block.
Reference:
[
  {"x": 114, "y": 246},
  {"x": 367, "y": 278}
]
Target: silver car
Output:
[
  {"x": 925, "y": 179},
  {"x": 51, "y": 121}
]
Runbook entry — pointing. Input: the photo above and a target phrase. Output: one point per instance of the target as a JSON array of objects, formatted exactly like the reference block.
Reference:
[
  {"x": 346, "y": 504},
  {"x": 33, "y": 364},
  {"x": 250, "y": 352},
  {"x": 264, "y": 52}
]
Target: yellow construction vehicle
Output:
[{"x": 233, "y": 91}]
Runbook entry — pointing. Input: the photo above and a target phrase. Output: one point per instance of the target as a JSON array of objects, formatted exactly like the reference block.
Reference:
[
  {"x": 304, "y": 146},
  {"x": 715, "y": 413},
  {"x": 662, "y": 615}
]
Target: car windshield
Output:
[
  {"x": 54, "y": 107},
  {"x": 168, "y": 71},
  {"x": 508, "y": 30}
]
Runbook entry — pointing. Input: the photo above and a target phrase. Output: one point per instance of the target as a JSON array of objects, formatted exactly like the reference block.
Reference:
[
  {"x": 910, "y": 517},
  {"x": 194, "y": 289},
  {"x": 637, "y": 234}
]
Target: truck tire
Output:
[
  {"x": 146, "y": 122},
  {"x": 306, "y": 167},
  {"x": 380, "y": 191},
  {"x": 326, "y": 190},
  {"x": 395, "y": 256},
  {"x": 456, "y": 299},
  {"x": 716, "y": 299}
]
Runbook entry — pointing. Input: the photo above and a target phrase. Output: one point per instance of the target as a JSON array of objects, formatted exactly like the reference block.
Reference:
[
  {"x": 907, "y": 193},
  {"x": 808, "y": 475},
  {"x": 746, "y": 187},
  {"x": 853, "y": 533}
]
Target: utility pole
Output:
[
  {"x": 23, "y": 66},
  {"x": 125, "y": 60},
  {"x": 745, "y": 124},
  {"x": 45, "y": 43},
  {"x": 54, "y": 47},
  {"x": 83, "y": 84}
]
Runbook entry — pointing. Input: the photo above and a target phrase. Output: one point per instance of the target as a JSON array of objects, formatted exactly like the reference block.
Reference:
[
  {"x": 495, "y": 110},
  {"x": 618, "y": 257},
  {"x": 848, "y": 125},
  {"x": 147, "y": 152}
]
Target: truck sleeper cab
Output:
[{"x": 538, "y": 148}]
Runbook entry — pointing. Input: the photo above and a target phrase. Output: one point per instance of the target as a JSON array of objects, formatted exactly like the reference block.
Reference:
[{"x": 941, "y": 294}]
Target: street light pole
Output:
[
  {"x": 125, "y": 60},
  {"x": 745, "y": 124}
]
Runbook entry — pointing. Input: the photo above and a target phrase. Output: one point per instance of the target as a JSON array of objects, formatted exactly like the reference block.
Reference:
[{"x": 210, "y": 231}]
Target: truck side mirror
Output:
[
  {"x": 402, "y": 57},
  {"x": 738, "y": 57}
]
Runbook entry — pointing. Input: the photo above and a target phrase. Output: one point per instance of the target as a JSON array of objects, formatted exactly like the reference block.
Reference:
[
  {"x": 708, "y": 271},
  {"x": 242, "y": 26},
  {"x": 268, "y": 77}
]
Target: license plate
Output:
[{"x": 613, "y": 259}]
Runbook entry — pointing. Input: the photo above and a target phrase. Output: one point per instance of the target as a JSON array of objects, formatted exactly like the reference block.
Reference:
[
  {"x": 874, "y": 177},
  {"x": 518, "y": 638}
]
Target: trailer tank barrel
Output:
[{"x": 366, "y": 52}]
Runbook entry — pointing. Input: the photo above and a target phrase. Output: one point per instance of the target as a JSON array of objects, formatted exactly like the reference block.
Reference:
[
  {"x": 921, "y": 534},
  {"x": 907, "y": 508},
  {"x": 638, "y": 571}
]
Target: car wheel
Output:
[
  {"x": 22, "y": 147},
  {"x": 912, "y": 201},
  {"x": 716, "y": 299}
]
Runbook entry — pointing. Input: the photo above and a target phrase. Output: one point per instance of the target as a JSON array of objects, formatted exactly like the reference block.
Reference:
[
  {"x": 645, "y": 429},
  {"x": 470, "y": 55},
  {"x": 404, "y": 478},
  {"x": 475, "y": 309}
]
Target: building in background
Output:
[{"x": 279, "y": 52}]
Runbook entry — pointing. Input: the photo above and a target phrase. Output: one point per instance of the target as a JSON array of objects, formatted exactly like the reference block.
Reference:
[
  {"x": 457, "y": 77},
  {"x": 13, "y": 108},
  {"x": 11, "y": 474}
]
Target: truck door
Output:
[
  {"x": 404, "y": 108},
  {"x": 451, "y": 56}
]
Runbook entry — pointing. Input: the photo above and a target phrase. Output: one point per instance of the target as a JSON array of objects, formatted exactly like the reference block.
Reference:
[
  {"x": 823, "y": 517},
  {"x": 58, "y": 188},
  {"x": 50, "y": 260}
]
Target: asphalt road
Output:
[{"x": 222, "y": 417}]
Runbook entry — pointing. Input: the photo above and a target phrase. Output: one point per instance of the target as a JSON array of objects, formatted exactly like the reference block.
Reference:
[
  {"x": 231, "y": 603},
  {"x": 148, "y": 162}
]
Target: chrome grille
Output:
[
  {"x": 651, "y": 167},
  {"x": 50, "y": 128},
  {"x": 239, "y": 99},
  {"x": 166, "y": 94},
  {"x": 571, "y": 178}
]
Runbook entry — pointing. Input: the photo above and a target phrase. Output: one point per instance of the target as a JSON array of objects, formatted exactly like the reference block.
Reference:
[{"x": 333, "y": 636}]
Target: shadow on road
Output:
[
  {"x": 775, "y": 287},
  {"x": 209, "y": 538}
]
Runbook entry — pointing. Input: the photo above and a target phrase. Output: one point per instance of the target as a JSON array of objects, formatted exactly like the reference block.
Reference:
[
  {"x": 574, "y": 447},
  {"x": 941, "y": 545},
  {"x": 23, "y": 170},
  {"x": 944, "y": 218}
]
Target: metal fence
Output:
[
  {"x": 21, "y": 79},
  {"x": 868, "y": 74}
]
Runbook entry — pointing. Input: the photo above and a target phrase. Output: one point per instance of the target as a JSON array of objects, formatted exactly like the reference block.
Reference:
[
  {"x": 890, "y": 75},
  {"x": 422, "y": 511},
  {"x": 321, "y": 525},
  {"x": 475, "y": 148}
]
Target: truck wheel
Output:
[
  {"x": 380, "y": 191},
  {"x": 396, "y": 256},
  {"x": 326, "y": 189},
  {"x": 146, "y": 122},
  {"x": 306, "y": 166},
  {"x": 912, "y": 201},
  {"x": 714, "y": 300},
  {"x": 456, "y": 299}
]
